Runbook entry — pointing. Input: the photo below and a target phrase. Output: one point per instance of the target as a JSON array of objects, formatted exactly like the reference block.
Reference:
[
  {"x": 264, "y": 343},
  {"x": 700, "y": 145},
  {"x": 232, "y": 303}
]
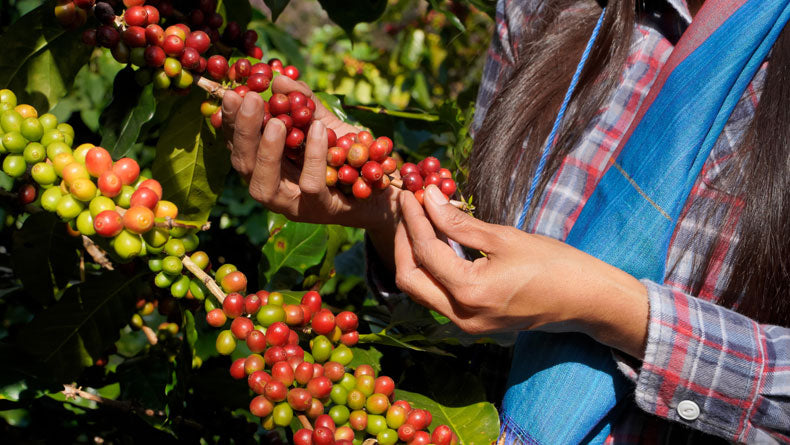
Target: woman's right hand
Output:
[{"x": 280, "y": 185}]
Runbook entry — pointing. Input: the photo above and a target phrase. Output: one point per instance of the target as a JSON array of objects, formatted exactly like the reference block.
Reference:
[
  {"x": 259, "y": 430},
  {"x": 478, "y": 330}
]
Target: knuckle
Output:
[{"x": 310, "y": 187}]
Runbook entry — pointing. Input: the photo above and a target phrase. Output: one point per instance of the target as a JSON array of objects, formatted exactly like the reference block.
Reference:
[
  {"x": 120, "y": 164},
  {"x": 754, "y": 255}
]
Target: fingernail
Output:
[
  {"x": 435, "y": 195},
  {"x": 230, "y": 99},
  {"x": 248, "y": 107},
  {"x": 273, "y": 127},
  {"x": 317, "y": 130}
]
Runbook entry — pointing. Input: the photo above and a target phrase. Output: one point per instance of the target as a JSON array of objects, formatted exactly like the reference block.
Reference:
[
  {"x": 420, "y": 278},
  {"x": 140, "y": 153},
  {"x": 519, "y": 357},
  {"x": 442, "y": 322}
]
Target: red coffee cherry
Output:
[
  {"x": 389, "y": 165},
  {"x": 173, "y": 45},
  {"x": 303, "y": 436},
  {"x": 294, "y": 139},
  {"x": 319, "y": 387},
  {"x": 336, "y": 156},
  {"x": 365, "y": 138},
  {"x": 302, "y": 116},
  {"x": 257, "y": 381},
  {"x": 262, "y": 68},
  {"x": 217, "y": 67},
  {"x": 312, "y": 300},
  {"x": 447, "y": 187},
  {"x": 153, "y": 14},
  {"x": 138, "y": 219},
  {"x": 277, "y": 334},
  {"x": 256, "y": 341},
  {"x": 136, "y": 16},
  {"x": 134, "y": 36},
  {"x": 350, "y": 338},
  {"x": 145, "y": 197},
  {"x": 299, "y": 399},
  {"x": 216, "y": 318},
  {"x": 233, "y": 305},
  {"x": 430, "y": 165},
  {"x": 241, "y": 327},
  {"x": 237, "y": 369},
  {"x": 109, "y": 184},
  {"x": 279, "y": 104},
  {"x": 323, "y": 322},
  {"x": 291, "y": 71},
  {"x": 331, "y": 136},
  {"x": 412, "y": 182},
  {"x": 260, "y": 406},
  {"x": 108, "y": 223},
  {"x": 275, "y": 391},
  {"x": 408, "y": 168},
  {"x": 372, "y": 171},
  {"x": 258, "y": 82},
  {"x": 347, "y": 174},
  {"x": 198, "y": 40},
  {"x": 357, "y": 155},
  {"x": 274, "y": 354},
  {"x": 283, "y": 372},
  {"x": 127, "y": 169}
]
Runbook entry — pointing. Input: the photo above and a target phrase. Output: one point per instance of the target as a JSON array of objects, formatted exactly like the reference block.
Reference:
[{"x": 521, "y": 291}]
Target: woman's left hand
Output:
[{"x": 525, "y": 281}]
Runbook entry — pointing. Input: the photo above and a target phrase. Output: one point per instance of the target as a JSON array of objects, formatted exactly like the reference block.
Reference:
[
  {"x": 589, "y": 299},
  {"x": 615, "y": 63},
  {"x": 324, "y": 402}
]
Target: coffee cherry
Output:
[
  {"x": 252, "y": 303},
  {"x": 277, "y": 334},
  {"x": 319, "y": 387},
  {"x": 127, "y": 170},
  {"x": 303, "y": 437},
  {"x": 432, "y": 179},
  {"x": 153, "y": 14},
  {"x": 138, "y": 219},
  {"x": 83, "y": 189},
  {"x": 283, "y": 372},
  {"x": 144, "y": 197},
  {"x": 127, "y": 245},
  {"x": 107, "y": 36},
  {"x": 216, "y": 318},
  {"x": 299, "y": 399},
  {"x": 257, "y": 380},
  {"x": 312, "y": 300},
  {"x": 447, "y": 187},
  {"x": 358, "y": 420},
  {"x": 350, "y": 338},
  {"x": 136, "y": 16},
  {"x": 260, "y": 406},
  {"x": 347, "y": 175},
  {"x": 376, "y": 424},
  {"x": 85, "y": 223},
  {"x": 217, "y": 67},
  {"x": 233, "y": 305},
  {"x": 294, "y": 139},
  {"x": 371, "y": 171},
  {"x": 253, "y": 363},
  {"x": 242, "y": 90},
  {"x": 302, "y": 116},
  {"x": 241, "y": 327},
  {"x": 323, "y": 322},
  {"x": 108, "y": 223},
  {"x": 408, "y": 168},
  {"x": 331, "y": 176},
  {"x": 234, "y": 282},
  {"x": 258, "y": 82},
  {"x": 270, "y": 314},
  {"x": 357, "y": 155},
  {"x": 412, "y": 182},
  {"x": 419, "y": 418},
  {"x": 198, "y": 40},
  {"x": 279, "y": 104},
  {"x": 291, "y": 71},
  {"x": 275, "y": 391},
  {"x": 361, "y": 189}
]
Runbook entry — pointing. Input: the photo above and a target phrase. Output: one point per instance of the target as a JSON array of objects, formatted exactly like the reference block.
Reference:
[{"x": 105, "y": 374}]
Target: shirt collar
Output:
[{"x": 682, "y": 7}]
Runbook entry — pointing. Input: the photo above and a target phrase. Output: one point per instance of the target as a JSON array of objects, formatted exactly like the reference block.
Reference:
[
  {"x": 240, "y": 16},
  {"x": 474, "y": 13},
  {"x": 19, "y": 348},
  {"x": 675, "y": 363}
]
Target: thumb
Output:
[{"x": 457, "y": 225}]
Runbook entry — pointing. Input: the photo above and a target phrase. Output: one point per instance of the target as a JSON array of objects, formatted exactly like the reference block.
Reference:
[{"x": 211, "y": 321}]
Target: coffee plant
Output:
[{"x": 146, "y": 296}]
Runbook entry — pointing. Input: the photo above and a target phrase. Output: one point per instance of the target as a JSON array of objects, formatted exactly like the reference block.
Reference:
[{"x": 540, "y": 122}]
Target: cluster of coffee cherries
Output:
[
  {"x": 244, "y": 76},
  {"x": 359, "y": 163},
  {"x": 427, "y": 172},
  {"x": 343, "y": 406},
  {"x": 172, "y": 49}
]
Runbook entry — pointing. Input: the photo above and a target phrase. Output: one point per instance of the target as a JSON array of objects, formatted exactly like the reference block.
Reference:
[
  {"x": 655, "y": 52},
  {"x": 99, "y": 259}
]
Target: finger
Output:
[
  {"x": 265, "y": 179},
  {"x": 230, "y": 106},
  {"x": 247, "y": 134},
  {"x": 416, "y": 282},
  {"x": 285, "y": 85},
  {"x": 438, "y": 258},
  {"x": 312, "y": 182},
  {"x": 459, "y": 226}
]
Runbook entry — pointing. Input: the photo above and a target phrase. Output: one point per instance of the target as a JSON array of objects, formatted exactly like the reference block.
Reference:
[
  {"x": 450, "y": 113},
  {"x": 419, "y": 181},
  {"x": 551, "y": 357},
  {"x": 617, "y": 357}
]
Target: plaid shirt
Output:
[{"x": 707, "y": 370}]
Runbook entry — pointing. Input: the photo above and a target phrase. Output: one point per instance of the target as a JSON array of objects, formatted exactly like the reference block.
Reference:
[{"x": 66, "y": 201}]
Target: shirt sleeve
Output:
[{"x": 715, "y": 370}]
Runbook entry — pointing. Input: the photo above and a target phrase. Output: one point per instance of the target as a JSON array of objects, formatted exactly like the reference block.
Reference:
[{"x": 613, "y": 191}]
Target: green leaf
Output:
[
  {"x": 447, "y": 13},
  {"x": 81, "y": 326},
  {"x": 276, "y": 7},
  {"x": 285, "y": 43},
  {"x": 191, "y": 162},
  {"x": 40, "y": 58},
  {"x": 238, "y": 11},
  {"x": 384, "y": 338},
  {"x": 298, "y": 246},
  {"x": 333, "y": 104},
  {"x": 132, "y": 106},
  {"x": 347, "y": 17},
  {"x": 44, "y": 256},
  {"x": 144, "y": 379},
  {"x": 336, "y": 238},
  {"x": 370, "y": 356},
  {"x": 475, "y": 423}
]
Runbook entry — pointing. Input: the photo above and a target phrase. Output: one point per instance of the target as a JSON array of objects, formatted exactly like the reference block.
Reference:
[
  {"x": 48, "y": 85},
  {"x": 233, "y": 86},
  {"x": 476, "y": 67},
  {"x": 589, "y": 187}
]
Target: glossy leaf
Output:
[
  {"x": 191, "y": 162},
  {"x": 44, "y": 256},
  {"x": 347, "y": 17},
  {"x": 366, "y": 356},
  {"x": 143, "y": 380},
  {"x": 40, "y": 58},
  {"x": 474, "y": 423},
  {"x": 297, "y": 246},
  {"x": 333, "y": 104},
  {"x": 132, "y": 107},
  {"x": 277, "y": 7},
  {"x": 80, "y": 327}
]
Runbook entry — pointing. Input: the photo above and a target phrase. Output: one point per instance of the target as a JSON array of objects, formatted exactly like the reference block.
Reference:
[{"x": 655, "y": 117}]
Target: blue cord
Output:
[{"x": 550, "y": 142}]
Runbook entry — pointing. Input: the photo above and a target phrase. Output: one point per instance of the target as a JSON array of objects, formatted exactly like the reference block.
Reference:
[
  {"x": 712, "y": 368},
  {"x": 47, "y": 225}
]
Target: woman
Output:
[{"x": 657, "y": 202}]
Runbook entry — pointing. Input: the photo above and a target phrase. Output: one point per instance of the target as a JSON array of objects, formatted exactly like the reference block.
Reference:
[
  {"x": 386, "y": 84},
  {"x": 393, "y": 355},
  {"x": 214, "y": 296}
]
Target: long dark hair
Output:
[{"x": 526, "y": 104}]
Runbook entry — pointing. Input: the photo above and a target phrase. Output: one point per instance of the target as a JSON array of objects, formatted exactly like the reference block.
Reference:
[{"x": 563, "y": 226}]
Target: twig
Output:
[
  {"x": 150, "y": 334},
  {"x": 213, "y": 88},
  {"x": 398, "y": 183},
  {"x": 96, "y": 253},
  {"x": 305, "y": 422},
  {"x": 209, "y": 282},
  {"x": 72, "y": 393}
]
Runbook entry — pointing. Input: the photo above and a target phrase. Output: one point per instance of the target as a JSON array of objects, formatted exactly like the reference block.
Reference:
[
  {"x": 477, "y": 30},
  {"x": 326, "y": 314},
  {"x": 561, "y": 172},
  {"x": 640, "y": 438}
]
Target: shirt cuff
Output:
[{"x": 703, "y": 366}]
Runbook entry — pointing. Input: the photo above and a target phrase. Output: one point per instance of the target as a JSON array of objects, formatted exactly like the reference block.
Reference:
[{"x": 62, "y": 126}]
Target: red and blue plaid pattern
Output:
[{"x": 736, "y": 370}]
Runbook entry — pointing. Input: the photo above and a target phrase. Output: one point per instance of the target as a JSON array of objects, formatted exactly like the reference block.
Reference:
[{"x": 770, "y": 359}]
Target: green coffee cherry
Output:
[
  {"x": 48, "y": 121},
  {"x": 32, "y": 129},
  {"x": 50, "y": 199},
  {"x": 175, "y": 247},
  {"x": 34, "y": 152},
  {"x": 180, "y": 287},
  {"x": 85, "y": 223},
  {"x": 163, "y": 280},
  {"x": 172, "y": 265},
  {"x": 127, "y": 245},
  {"x": 14, "y": 142},
  {"x": 44, "y": 173},
  {"x": 14, "y": 165}
]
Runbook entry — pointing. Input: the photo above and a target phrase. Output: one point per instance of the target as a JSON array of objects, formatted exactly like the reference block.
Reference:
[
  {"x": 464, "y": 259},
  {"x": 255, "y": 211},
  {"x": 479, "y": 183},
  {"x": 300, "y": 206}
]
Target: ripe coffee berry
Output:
[
  {"x": 243, "y": 68},
  {"x": 138, "y": 219},
  {"x": 233, "y": 305},
  {"x": 312, "y": 300},
  {"x": 108, "y": 36},
  {"x": 216, "y": 318},
  {"x": 275, "y": 391},
  {"x": 198, "y": 40},
  {"x": 299, "y": 399},
  {"x": 260, "y": 406},
  {"x": 303, "y": 437},
  {"x": 274, "y": 354},
  {"x": 190, "y": 59},
  {"x": 347, "y": 174},
  {"x": 319, "y": 387},
  {"x": 217, "y": 67},
  {"x": 372, "y": 171},
  {"x": 241, "y": 327},
  {"x": 291, "y": 71},
  {"x": 295, "y": 138},
  {"x": 145, "y": 197},
  {"x": 277, "y": 334},
  {"x": 134, "y": 36},
  {"x": 361, "y": 189},
  {"x": 154, "y": 56},
  {"x": 283, "y": 372},
  {"x": 136, "y": 16},
  {"x": 350, "y": 338},
  {"x": 252, "y": 303},
  {"x": 294, "y": 315},
  {"x": 109, "y": 184},
  {"x": 153, "y": 14},
  {"x": 237, "y": 369},
  {"x": 389, "y": 165},
  {"x": 323, "y": 322},
  {"x": 447, "y": 187},
  {"x": 256, "y": 341},
  {"x": 258, "y": 82},
  {"x": 279, "y": 104},
  {"x": 412, "y": 182},
  {"x": 357, "y": 155},
  {"x": 301, "y": 116},
  {"x": 408, "y": 168},
  {"x": 242, "y": 90},
  {"x": 234, "y": 282}
]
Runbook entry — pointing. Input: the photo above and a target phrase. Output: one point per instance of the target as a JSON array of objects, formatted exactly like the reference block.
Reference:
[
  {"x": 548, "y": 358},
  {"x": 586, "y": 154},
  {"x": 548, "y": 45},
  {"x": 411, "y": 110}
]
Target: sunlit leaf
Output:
[
  {"x": 132, "y": 107},
  {"x": 297, "y": 246}
]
